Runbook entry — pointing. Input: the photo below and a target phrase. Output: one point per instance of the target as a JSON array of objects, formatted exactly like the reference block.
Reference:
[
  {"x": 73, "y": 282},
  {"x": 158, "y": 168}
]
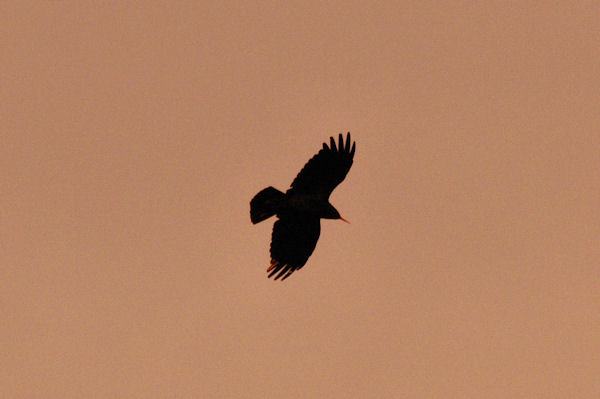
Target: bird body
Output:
[
  {"x": 309, "y": 204},
  {"x": 300, "y": 208}
]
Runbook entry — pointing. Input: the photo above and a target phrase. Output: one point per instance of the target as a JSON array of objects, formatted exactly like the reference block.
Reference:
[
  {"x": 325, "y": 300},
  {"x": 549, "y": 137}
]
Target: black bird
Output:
[{"x": 300, "y": 209}]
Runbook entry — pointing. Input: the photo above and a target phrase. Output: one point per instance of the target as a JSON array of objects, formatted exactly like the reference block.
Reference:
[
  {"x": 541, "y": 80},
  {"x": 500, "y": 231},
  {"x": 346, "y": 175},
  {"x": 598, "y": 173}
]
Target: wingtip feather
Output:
[
  {"x": 274, "y": 264},
  {"x": 287, "y": 270}
]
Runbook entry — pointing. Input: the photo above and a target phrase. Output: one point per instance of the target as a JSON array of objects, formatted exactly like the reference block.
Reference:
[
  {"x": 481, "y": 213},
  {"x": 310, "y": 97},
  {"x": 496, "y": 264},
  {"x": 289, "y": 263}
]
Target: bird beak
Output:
[{"x": 344, "y": 220}]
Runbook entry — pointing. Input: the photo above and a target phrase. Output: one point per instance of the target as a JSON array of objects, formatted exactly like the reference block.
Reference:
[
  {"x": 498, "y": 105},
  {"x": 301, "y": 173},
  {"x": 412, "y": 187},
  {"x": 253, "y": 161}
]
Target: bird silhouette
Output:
[{"x": 300, "y": 209}]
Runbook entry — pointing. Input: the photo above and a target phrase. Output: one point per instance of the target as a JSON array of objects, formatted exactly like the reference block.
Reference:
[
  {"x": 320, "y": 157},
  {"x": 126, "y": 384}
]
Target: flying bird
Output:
[{"x": 300, "y": 209}]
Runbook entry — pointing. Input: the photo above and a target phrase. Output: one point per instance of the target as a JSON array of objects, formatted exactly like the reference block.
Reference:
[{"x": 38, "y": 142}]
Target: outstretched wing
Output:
[
  {"x": 293, "y": 241},
  {"x": 328, "y": 168}
]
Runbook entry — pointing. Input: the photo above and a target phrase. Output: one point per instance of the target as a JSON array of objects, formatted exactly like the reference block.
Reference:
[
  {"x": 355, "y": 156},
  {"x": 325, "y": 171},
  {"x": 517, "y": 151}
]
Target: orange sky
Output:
[{"x": 134, "y": 136}]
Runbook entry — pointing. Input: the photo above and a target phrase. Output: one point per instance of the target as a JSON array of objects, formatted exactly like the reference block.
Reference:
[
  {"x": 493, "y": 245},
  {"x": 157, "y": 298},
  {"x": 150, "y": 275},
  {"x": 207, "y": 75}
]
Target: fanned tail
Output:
[{"x": 265, "y": 204}]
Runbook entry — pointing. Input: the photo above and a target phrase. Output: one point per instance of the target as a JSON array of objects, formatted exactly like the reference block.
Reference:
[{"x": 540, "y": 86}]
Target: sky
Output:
[{"x": 133, "y": 136}]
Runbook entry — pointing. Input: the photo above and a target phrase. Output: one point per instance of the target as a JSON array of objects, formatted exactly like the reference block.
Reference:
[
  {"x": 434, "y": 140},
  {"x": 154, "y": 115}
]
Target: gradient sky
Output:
[{"x": 133, "y": 136}]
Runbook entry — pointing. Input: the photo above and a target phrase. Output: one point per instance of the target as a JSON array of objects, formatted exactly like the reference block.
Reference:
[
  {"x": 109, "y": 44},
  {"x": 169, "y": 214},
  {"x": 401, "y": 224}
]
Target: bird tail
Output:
[{"x": 265, "y": 204}]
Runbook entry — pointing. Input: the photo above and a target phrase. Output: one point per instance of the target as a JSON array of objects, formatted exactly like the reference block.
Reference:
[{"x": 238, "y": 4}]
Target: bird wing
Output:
[
  {"x": 293, "y": 241},
  {"x": 328, "y": 168}
]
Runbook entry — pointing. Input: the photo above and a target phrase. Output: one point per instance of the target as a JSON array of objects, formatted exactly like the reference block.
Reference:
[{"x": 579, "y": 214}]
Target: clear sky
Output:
[{"x": 133, "y": 136}]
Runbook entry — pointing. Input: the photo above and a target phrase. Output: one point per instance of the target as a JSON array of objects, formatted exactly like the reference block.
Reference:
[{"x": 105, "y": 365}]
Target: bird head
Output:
[{"x": 331, "y": 213}]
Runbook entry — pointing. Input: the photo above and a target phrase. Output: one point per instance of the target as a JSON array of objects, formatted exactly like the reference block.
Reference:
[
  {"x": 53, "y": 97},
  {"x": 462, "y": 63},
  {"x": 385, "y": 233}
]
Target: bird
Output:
[{"x": 300, "y": 209}]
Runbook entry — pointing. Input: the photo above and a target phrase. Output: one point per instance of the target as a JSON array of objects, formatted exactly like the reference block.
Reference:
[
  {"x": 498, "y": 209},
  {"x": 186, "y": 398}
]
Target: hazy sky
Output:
[{"x": 132, "y": 138}]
